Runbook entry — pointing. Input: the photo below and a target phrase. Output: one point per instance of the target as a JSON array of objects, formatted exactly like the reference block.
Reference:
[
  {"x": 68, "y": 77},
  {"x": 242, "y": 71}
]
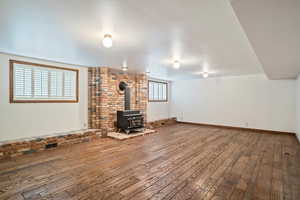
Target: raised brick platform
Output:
[
  {"x": 13, "y": 148},
  {"x": 123, "y": 136}
]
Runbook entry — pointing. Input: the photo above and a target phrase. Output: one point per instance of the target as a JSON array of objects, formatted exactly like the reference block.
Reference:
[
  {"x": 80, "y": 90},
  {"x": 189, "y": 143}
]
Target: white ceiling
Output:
[
  {"x": 202, "y": 34},
  {"x": 273, "y": 29}
]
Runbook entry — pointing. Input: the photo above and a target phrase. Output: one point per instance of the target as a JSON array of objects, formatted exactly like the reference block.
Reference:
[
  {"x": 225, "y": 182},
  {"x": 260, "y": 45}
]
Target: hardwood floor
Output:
[{"x": 179, "y": 162}]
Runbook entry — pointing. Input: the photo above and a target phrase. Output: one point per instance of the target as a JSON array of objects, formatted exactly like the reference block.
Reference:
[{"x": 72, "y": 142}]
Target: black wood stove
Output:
[{"x": 129, "y": 120}]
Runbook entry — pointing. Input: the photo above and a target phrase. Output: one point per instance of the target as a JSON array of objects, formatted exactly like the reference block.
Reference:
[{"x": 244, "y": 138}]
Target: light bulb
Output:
[
  {"x": 124, "y": 66},
  {"x": 205, "y": 74},
  {"x": 107, "y": 41},
  {"x": 176, "y": 64}
]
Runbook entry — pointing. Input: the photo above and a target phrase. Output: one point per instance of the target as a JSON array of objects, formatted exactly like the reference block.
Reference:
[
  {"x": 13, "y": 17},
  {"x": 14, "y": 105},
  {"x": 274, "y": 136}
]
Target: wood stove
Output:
[{"x": 129, "y": 120}]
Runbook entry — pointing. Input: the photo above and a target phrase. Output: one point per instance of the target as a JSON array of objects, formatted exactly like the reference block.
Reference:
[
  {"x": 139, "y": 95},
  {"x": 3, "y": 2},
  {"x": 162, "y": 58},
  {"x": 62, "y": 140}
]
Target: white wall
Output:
[
  {"x": 241, "y": 101},
  {"x": 23, "y": 120},
  {"x": 298, "y": 107},
  {"x": 159, "y": 110}
]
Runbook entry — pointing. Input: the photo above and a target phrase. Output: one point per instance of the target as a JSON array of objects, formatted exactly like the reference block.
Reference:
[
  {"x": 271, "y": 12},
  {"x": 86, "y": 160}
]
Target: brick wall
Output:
[{"x": 105, "y": 98}]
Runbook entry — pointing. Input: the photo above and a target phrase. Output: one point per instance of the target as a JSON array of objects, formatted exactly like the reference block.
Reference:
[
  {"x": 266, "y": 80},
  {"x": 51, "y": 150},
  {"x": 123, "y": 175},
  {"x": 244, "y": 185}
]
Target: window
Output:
[
  {"x": 37, "y": 83},
  {"x": 157, "y": 91}
]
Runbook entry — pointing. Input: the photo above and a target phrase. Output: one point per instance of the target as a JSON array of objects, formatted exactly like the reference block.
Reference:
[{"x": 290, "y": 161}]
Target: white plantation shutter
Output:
[
  {"x": 69, "y": 87},
  {"x": 37, "y": 78},
  {"x": 43, "y": 83},
  {"x": 56, "y": 84},
  {"x": 23, "y": 83},
  {"x": 53, "y": 84}
]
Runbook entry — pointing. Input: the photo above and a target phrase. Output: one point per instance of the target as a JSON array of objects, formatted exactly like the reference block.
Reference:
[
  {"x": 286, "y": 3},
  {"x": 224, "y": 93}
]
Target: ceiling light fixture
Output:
[
  {"x": 124, "y": 66},
  {"x": 205, "y": 74},
  {"x": 107, "y": 41},
  {"x": 176, "y": 64}
]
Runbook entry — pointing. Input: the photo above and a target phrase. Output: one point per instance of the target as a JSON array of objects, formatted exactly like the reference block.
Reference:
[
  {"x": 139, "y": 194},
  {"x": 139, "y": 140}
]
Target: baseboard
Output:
[{"x": 239, "y": 128}]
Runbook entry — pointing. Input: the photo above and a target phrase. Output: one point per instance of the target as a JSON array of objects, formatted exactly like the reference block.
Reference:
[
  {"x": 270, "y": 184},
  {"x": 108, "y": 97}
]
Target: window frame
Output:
[
  {"x": 11, "y": 83},
  {"x": 167, "y": 91}
]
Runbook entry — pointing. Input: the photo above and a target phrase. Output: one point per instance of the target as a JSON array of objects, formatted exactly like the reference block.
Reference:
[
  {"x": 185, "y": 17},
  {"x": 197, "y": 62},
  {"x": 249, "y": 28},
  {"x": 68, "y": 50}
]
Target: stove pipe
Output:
[{"x": 124, "y": 87}]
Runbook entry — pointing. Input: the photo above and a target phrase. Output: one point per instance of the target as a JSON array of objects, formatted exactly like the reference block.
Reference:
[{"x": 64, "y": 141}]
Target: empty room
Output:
[{"x": 139, "y": 99}]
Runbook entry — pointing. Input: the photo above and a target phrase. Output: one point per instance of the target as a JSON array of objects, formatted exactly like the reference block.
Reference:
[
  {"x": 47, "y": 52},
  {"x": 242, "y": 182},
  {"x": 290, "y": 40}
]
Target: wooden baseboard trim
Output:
[{"x": 238, "y": 128}]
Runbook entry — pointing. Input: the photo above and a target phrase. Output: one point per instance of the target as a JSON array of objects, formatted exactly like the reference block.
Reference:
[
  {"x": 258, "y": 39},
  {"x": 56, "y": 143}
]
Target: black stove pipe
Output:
[{"x": 124, "y": 87}]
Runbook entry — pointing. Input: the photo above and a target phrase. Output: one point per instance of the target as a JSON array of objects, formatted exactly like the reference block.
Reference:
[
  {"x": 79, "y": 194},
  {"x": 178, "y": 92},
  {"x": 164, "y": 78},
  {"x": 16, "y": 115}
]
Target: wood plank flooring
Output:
[{"x": 178, "y": 162}]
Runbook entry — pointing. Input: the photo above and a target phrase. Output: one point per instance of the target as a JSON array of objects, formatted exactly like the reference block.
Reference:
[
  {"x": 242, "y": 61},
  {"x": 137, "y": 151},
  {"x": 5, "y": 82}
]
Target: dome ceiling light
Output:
[
  {"x": 107, "y": 41},
  {"x": 205, "y": 74},
  {"x": 124, "y": 69},
  {"x": 124, "y": 66},
  {"x": 176, "y": 64}
]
